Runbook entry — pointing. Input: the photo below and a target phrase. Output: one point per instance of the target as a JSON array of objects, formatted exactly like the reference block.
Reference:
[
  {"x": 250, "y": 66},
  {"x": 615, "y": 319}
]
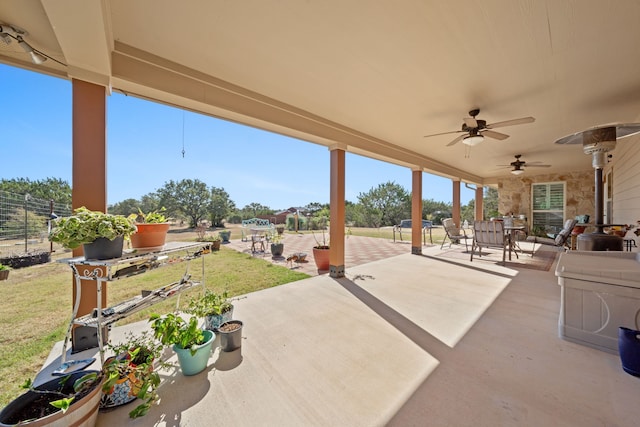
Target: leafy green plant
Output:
[
  {"x": 65, "y": 394},
  {"x": 152, "y": 217},
  {"x": 4, "y": 267},
  {"x": 173, "y": 329},
  {"x": 85, "y": 226},
  {"x": 134, "y": 359},
  {"x": 210, "y": 304}
]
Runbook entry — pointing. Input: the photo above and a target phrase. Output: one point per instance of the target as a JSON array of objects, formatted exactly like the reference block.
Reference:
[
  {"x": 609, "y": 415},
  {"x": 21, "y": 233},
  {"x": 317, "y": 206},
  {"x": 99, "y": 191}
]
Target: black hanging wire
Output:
[{"x": 183, "y": 134}]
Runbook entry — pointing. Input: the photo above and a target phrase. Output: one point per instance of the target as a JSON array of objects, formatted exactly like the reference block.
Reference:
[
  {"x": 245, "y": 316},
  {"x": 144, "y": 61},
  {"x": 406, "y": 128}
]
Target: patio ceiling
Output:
[{"x": 374, "y": 77}]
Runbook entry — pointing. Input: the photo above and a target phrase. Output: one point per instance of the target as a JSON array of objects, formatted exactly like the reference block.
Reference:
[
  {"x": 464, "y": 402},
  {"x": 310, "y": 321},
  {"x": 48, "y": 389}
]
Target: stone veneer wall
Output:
[{"x": 514, "y": 194}]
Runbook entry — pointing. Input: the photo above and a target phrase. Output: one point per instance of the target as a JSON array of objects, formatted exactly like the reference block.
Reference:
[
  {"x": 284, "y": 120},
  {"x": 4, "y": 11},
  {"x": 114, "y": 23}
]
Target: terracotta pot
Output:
[
  {"x": 150, "y": 236},
  {"x": 321, "y": 257}
]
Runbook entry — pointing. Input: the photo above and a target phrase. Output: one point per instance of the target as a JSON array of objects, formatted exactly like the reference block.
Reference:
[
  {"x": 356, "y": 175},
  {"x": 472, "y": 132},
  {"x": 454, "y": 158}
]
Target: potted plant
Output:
[
  {"x": 321, "y": 252},
  {"x": 130, "y": 373},
  {"x": 215, "y": 241},
  {"x": 225, "y": 235},
  {"x": 191, "y": 343},
  {"x": 280, "y": 229},
  {"x": 101, "y": 234},
  {"x": 277, "y": 247},
  {"x": 152, "y": 229},
  {"x": 4, "y": 272},
  {"x": 230, "y": 335},
  {"x": 213, "y": 307},
  {"x": 72, "y": 399}
]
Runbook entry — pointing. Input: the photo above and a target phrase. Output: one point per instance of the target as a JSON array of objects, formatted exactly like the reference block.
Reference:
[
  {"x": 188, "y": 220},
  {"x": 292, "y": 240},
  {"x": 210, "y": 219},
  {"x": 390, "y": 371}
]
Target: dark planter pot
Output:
[
  {"x": 82, "y": 412},
  {"x": 213, "y": 322},
  {"x": 26, "y": 260},
  {"x": 629, "y": 349},
  {"x": 230, "y": 335},
  {"x": 215, "y": 245},
  {"x": 103, "y": 248},
  {"x": 277, "y": 249},
  {"x": 225, "y": 236},
  {"x": 4, "y": 274}
]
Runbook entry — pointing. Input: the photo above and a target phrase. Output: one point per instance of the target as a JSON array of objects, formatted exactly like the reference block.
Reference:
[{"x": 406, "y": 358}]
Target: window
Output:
[{"x": 548, "y": 206}]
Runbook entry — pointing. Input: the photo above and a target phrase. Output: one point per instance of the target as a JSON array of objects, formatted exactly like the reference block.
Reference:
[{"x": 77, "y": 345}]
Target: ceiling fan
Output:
[
  {"x": 518, "y": 165},
  {"x": 473, "y": 130}
]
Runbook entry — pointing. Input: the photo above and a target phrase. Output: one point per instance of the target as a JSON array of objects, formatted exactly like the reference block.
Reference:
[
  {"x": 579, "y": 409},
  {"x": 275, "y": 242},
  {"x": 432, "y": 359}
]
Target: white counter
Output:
[{"x": 600, "y": 291}]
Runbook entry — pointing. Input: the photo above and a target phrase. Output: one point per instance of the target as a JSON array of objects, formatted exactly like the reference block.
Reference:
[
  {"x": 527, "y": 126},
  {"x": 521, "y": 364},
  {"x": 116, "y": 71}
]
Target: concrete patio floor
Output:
[{"x": 403, "y": 341}]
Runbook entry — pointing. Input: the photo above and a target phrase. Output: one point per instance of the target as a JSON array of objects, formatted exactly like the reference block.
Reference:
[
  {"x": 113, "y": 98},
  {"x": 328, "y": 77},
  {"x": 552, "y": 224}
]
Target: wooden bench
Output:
[{"x": 406, "y": 223}]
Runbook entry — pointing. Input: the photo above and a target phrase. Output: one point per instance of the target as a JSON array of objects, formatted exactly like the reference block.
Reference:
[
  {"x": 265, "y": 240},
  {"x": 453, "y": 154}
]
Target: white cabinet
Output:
[{"x": 600, "y": 291}]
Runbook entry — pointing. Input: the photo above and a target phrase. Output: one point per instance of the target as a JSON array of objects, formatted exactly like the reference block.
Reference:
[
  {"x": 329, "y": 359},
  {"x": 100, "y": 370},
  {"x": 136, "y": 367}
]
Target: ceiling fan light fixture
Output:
[
  {"x": 517, "y": 171},
  {"x": 472, "y": 140}
]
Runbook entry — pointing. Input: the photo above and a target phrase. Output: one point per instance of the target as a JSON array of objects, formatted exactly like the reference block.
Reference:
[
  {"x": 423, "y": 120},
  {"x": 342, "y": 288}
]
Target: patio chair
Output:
[
  {"x": 560, "y": 241},
  {"x": 454, "y": 233},
  {"x": 488, "y": 234}
]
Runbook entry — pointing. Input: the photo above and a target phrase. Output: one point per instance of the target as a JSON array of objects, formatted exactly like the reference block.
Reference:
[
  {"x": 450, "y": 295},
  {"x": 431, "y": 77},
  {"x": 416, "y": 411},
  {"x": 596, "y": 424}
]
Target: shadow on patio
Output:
[{"x": 406, "y": 340}]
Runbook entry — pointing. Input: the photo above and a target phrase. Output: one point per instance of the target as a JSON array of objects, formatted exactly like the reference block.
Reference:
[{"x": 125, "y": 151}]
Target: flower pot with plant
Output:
[
  {"x": 101, "y": 234},
  {"x": 213, "y": 307},
  {"x": 215, "y": 241},
  {"x": 152, "y": 229},
  {"x": 321, "y": 252},
  {"x": 225, "y": 235},
  {"x": 191, "y": 343},
  {"x": 69, "y": 400},
  {"x": 277, "y": 246},
  {"x": 4, "y": 272},
  {"x": 130, "y": 373}
]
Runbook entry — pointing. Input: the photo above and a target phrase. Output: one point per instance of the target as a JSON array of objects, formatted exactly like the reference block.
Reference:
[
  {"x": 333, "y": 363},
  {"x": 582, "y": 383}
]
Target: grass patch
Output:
[{"x": 37, "y": 304}]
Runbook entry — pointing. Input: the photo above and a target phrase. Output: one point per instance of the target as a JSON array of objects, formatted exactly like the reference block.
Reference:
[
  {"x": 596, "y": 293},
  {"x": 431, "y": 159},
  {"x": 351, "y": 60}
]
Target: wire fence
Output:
[{"x": 25, "y": 223}]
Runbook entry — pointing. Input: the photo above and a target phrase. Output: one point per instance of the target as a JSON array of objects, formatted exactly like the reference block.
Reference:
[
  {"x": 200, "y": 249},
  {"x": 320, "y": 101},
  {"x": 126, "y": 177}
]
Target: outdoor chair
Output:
[
  {"x": 560, "y": 241},
  {"x": 488, "y": 234},
  {"x": 454, "y": 233}
]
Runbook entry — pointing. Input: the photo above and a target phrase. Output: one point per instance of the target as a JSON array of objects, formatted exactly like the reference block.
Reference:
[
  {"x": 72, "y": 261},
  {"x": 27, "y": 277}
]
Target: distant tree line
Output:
[{"x": 192, "y": 201}]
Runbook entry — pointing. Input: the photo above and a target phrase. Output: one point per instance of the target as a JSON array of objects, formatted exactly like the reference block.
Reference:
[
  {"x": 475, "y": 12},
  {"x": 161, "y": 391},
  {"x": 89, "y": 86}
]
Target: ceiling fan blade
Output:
[
  {"x": 458, "y": 139},
  {"x": 443, "y": 133},
  {"x": 513, "y": 122},
  {"x": 470, "y": 122},
  {"x": 494, "y": 135},
  {"x": 537, "y": 166}
]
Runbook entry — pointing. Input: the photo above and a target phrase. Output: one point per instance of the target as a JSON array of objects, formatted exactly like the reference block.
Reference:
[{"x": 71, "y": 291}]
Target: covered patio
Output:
[{"x": 477, "y": 344}]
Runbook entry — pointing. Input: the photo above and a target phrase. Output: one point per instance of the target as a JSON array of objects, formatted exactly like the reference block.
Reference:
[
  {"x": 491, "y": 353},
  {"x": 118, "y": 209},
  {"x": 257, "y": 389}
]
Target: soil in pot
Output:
[{"x": 36, "y": 406}]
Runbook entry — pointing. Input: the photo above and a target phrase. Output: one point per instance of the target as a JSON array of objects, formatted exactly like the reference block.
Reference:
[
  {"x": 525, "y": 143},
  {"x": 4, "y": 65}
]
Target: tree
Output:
[
  {"x": 54, "y": 189},
  {"x": 254, "y": 209},
  {"x": 189, "y": 197},
  {"x": 125, "y": 207},
  {"x": 490, "y": 202},
  {"x": 220, "y": 207},
  {"x": 385, "y": 205}
]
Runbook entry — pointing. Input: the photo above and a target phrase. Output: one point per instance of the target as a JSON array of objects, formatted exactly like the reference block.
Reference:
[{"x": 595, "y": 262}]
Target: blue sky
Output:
[{"x": 145, "y": 142}]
